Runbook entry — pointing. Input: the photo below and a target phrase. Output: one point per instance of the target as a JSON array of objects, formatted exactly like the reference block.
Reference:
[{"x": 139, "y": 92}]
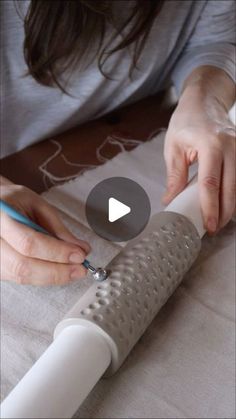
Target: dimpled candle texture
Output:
[{"x": 143, "y": 276}]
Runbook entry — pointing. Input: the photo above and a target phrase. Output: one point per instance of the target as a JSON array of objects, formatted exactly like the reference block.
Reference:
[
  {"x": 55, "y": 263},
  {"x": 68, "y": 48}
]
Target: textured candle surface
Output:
[{"x": 143, "y": 276}]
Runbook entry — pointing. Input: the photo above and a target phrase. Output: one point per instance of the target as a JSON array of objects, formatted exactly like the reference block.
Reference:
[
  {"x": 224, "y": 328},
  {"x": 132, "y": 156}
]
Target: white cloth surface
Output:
[{"x": 184, "y": 365}]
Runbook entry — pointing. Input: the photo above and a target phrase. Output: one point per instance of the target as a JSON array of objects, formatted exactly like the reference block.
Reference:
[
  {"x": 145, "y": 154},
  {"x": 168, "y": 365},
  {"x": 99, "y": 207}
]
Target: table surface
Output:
[{"x": 79, "y": 145}]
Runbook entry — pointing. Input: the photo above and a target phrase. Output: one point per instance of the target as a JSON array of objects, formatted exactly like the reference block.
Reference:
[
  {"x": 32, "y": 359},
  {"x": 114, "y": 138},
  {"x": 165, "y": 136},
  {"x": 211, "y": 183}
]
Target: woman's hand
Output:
[
  {"x": 30, "y": 257},
  {"x": 200, "y": 130}
]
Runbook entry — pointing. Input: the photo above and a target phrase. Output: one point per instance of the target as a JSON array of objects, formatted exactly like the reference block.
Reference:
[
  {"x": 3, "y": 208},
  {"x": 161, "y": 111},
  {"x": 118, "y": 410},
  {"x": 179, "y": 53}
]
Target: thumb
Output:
[{"x": 177, "y": 174}]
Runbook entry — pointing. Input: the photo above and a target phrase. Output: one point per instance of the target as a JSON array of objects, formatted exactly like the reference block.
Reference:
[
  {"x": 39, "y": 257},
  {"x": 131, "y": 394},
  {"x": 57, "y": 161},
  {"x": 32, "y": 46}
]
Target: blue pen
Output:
[{"x": 99, "y": 274}]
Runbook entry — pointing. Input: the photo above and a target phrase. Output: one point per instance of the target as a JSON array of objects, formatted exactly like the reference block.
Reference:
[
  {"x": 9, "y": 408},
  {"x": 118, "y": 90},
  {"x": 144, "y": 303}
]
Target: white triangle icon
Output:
[{"x": 117, "y": 210}]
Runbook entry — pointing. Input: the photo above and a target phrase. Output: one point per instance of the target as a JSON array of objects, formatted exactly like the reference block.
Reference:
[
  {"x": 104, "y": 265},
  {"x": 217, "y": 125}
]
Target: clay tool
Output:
[{"x": 99, "y": 274}]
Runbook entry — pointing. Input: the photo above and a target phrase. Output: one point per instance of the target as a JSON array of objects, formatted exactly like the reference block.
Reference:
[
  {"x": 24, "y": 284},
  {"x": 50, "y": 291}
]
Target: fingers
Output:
[
  {"x": 38, "y": 245},
  {"x": 47, "y": 217},
  {"x": 209, "y": 180},
  {"x": 25, "y": 270},
  {"x": 228, "y": 190},
  {"x": 177, "y": 173}
]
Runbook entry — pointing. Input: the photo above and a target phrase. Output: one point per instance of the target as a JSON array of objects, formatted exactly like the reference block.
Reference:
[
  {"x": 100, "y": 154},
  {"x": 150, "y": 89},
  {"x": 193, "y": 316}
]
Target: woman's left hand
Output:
[{"x": 200, "y": 130}]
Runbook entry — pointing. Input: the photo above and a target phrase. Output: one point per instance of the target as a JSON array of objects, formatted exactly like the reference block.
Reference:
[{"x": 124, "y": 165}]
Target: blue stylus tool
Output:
[{"x": 99, "y": 274}]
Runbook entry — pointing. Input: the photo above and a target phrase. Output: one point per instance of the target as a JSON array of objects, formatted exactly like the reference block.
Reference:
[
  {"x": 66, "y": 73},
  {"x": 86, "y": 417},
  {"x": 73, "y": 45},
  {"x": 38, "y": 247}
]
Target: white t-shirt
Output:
[{"x": 185, "y": 35}]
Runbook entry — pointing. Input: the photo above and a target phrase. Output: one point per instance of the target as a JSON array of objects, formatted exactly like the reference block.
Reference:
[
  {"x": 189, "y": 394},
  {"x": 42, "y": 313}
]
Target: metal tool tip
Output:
[{"x": 100, "y": 274}]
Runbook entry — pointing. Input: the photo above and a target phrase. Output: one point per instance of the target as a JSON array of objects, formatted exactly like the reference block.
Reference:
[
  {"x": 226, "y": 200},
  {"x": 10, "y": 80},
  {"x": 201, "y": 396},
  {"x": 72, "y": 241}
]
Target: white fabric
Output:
[{"x": 184, "y": 365}]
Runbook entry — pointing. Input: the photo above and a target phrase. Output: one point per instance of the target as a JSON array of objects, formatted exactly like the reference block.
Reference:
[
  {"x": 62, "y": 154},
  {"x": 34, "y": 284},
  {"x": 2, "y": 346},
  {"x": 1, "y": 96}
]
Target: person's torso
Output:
[{"x": 32, "y": 112}]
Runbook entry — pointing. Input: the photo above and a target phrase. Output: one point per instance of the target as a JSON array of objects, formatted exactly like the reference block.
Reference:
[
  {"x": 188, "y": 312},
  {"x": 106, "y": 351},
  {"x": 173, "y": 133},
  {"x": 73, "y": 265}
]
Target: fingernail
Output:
[
  {"x": 76, "y": 258},
  {"x": 211, "y": 225}
]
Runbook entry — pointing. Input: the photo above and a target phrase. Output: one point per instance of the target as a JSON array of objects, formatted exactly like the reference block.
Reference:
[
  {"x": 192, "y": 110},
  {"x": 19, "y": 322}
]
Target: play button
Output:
[{"x": 117, "y": 209}]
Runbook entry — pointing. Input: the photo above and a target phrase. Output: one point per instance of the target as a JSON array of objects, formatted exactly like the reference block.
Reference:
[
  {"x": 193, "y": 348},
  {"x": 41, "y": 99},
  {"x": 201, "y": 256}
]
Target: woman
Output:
[{"x": 65, "y": 62}]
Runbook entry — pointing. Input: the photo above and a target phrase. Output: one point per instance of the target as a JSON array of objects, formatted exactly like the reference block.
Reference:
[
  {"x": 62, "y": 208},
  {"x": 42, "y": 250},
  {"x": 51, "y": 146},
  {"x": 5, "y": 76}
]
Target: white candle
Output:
[
  {"x": 187, "y": 203},
  {"x": 62, "y": 378}
]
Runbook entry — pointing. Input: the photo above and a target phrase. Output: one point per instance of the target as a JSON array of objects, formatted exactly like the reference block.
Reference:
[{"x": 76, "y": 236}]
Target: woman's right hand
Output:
[{"x": 30, "y": 257}]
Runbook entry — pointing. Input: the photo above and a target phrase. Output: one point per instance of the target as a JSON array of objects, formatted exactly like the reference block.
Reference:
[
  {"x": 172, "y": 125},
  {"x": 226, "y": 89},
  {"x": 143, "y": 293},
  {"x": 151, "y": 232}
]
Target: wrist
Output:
[
  {"x": 196, "y": 100},
  {"x": 208, "y": 85}
]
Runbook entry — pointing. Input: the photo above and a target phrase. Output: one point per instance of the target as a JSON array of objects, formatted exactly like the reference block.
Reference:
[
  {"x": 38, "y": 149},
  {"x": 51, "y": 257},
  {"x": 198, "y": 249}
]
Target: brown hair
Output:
[{"x": 59, "y": 32}]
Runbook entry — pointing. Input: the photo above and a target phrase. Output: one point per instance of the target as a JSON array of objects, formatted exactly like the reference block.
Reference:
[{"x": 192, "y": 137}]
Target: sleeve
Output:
[{"x": 212, "y": 42}]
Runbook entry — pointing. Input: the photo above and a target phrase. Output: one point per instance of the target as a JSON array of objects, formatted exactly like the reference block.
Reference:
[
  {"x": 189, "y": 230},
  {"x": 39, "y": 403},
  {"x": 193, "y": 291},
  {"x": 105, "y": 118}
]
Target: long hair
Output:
[{"x": 58, "y": 33}]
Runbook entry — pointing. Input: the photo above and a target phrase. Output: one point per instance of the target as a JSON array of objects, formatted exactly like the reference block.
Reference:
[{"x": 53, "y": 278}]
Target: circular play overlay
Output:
[{"x": 118, "y": 209}]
